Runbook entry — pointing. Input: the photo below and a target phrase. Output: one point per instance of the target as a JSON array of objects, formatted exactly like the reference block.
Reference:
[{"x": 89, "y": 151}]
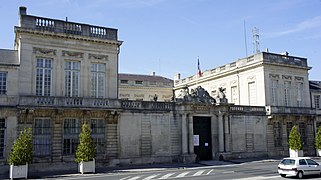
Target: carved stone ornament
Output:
[
  {"x": 275, "y": 76},
  {"x": 72, "y": 54},
  {"x": 199, "y": 95},
  {"x": 297, "y": 78},
  {"x": 98, "y": 57},
  {"x": 44, "y": 51},
  {"x": 286, "y": 77}
]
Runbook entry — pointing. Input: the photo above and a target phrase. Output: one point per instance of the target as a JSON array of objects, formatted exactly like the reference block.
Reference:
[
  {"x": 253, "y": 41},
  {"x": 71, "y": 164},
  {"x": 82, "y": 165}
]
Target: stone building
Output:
[
  {"x": 277, "y": 81},
  {"x": 145, "y": 87},
  {"x": 61, "y": 74}
]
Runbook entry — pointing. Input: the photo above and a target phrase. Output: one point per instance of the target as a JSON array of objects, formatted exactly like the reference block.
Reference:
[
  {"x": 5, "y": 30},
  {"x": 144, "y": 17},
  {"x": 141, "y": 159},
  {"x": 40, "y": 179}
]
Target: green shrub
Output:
[
  {"x": 317, "y": 140},
  {"x": 295, "y": 142},
  {"x": 86, "y": 150},
  {"x": 21, "y": 151}
]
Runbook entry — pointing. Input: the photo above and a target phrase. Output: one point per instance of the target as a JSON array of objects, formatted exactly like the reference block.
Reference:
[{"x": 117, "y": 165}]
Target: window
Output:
[
  {"x": 311, "y": 162},
  {"x": 317, "y": 101},
  {"x": 122, "y": 81},
  {"x": 98, "y": 80},
  {"x": 233, "y": 94},
  {"x": 252, "y": 93},
  {"x": 277, "y": 134},
  {"x": 2, "y": 133},
  {"x": 288, "y": 128},
  {"x": 299, "y": 94},
  {"x": 71, "y": 135},
  {"x": 43, "y": 77},
  {"x": 139, "y": 82},
  {"x": 287, "y": 85},
  {"x": 42, "y": 137},
  {"x": 72, "y": 78},
  {"x": 302, "y": 162},
  {"x": 98, "y": 134},
  {"x": 274, "y": 92},
  {"x": 3, "y": 83},
  {"x": 302, "y": 128}
]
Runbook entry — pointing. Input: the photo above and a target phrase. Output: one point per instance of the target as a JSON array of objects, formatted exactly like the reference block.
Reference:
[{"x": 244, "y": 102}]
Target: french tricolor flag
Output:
[{"x": 199, "y": 72}]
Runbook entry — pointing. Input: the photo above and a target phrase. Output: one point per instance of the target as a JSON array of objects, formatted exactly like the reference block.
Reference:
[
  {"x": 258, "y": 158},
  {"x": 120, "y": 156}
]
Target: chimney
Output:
[
  {"x": 22, "y": 10},
  {"x": 153, "y": 73},
  {"x": 177, "y": 76}
]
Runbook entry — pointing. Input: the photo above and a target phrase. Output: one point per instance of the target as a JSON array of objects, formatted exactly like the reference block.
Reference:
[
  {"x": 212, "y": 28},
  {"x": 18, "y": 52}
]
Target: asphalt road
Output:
[
  {"x": 257, "y": 170},
  {"x": 245, "y": 171}
]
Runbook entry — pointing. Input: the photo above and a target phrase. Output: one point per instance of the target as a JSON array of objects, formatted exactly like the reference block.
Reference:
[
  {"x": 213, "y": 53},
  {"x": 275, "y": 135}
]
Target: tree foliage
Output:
[
  {"x": 317, "y": 140},
  {"x": 86, "y": 150},
  {"x": 21, "y": 151},
  {"x": 295, "y": 142}
]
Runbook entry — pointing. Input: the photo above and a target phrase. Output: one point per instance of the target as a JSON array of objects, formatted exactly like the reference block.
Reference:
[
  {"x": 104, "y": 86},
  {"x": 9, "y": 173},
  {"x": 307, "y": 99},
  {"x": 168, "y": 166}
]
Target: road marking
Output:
[
  {"x": 183, "y": 174},
  {"x": 198, "y": 173},
  {"x": 151, "y": 177},
  {"x": 125, "y": 178},
  {"x": 259, "y": 178},
  {"x": 209, "y": 172},
  {"x": 228, "y": 172},
  {"x": 134, "y": 178},
  {"x": 166, "y": 176}
]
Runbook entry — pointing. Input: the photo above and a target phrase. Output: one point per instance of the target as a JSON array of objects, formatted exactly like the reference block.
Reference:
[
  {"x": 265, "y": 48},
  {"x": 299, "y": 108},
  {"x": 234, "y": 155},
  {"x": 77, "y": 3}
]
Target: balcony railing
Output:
[
  {"x": 80, "y": 102},
  {"x": 147, "y": 105},
  {"x": 248, "y": 109},
  {"x": 291, "y": 110},
  {"x": 59, "y": 26},
  {"x": 49, "y": 101}
]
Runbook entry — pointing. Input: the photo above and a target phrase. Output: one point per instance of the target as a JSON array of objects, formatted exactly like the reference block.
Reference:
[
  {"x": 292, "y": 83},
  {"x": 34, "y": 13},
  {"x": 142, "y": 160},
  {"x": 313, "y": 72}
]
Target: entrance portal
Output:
[{"x": 202, "y": 138}]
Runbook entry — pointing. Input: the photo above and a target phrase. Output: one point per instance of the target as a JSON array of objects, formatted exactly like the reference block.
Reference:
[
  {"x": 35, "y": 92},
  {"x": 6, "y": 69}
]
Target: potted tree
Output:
[
  {"x": 317, "y": 141},
  {"x": 21, "y": 155},
  {"x": 86, "y": 151},
  {"x": 295, "y": 143}
]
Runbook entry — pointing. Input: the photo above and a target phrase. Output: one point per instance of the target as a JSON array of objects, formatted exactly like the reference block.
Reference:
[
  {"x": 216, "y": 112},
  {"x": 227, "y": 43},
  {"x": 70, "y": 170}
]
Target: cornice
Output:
[{"x": 67, "y": 36}]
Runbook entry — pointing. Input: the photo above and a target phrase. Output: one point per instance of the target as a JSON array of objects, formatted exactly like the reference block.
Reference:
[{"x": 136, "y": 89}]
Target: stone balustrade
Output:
[
  {"x": 292, "y": 110},
  {"x": 264, "y": 57},
  {"x": 247, "y": 109},
  {"x": 66, "y": 27}
]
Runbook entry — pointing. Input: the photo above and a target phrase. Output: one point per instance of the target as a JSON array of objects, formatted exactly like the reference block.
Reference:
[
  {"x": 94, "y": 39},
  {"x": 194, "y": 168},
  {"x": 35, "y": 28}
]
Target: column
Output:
[
  {"x": 227, "y": 133},
  {"x": 190, "y": 135},
  {"x": 220, "y": 133},
  {"x": 184, "y": 134}
]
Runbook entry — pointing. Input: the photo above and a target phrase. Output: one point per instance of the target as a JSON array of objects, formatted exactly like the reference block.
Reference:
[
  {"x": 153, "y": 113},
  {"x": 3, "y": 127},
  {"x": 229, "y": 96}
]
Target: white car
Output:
[{"x": 298, "y": 166}]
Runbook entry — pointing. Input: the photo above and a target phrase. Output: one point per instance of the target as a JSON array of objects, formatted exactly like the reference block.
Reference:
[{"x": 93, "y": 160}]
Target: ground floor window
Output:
[
  {"x": 71, "y": 135},
  {"x": 42, "y": 137},
  {"x": 302, "y": 130},
  {"x": 2, "y": 139},
  {"x": 98, "y": 134},
  {"x": 277, "y": 134}
]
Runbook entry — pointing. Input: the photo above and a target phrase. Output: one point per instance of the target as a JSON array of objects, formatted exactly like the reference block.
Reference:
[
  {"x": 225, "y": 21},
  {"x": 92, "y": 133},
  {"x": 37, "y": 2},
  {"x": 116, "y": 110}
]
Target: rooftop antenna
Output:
[
  {"x": 256, "y": 41},
  {"x": 245, "y": 39}
]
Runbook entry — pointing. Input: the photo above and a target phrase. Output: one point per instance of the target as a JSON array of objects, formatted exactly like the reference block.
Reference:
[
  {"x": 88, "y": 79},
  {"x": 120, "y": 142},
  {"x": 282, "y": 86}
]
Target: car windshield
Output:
[{"x": 288, "y": 161}]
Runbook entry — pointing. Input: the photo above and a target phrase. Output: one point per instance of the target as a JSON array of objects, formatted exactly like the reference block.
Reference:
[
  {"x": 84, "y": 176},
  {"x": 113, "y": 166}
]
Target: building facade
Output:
[
  {"x": 145, "y": 87},
  {"x": 67, "y": 74}
]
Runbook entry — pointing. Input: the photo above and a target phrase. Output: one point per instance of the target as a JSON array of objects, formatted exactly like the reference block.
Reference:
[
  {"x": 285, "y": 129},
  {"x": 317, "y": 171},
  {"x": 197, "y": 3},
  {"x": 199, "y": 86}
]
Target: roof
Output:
[
  {"x": 9, "y": 57},
  {"x": 315, "y": 85},
  {"x": 140, "y": 77}
]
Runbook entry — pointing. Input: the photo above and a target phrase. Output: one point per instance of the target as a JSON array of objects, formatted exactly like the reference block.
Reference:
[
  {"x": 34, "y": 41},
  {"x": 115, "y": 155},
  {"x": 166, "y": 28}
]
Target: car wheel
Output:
[
  {"x": 300, "y": 175},
  {"x": 282, "y": 175}
]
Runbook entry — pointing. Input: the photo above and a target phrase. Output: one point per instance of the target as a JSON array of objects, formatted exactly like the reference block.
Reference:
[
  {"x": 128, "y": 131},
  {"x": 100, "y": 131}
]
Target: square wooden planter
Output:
[
  {"x": 87, "y": 167},
  {"x": 296, "y": 153},
  {"x": 19, "y": 171}
]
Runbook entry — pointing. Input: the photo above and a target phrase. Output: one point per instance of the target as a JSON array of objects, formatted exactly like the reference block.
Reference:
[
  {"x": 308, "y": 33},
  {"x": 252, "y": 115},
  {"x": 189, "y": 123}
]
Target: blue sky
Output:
[{"x": 167, "y": 36}]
